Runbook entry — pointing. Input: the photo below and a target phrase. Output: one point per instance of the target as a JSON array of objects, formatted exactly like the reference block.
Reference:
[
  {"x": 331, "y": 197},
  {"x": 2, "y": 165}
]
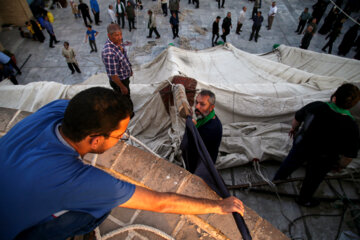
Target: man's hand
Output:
[
  {"x": 124, "y": 90},
  {"x": 292, "y": 132},
  {"x": 230, "y": 205},
  {"x": 194, "y": 121}
]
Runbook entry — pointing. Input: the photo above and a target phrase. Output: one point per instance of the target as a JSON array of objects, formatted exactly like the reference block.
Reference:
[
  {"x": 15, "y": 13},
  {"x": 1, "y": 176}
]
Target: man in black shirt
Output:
[
  {"x": 84, "y": 8},
  {"x": 328, "y": 138},
  {"x": 207, "y": 123},
  {"x": 258, "y": 19},
  {"x": 215, "y": 30},
  {"x": 226, "y": 25}
]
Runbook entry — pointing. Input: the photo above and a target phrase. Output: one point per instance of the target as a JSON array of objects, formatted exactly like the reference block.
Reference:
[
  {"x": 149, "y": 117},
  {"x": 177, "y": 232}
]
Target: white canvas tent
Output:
[{"x": 257, "y": 96}]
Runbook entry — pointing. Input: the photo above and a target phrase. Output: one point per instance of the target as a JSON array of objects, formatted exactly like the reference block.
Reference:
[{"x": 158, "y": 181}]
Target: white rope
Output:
[
  {"x": 143, "y": 145},
  {"x": 135, "y": 227},
  {"x": 259, "y": 173}
]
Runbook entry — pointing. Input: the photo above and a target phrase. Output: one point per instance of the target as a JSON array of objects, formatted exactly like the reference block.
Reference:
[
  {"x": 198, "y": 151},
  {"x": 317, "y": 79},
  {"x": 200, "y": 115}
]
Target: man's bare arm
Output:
[
  {"x": 116, "y": 79},
  {"x": 175, "y": 203}
]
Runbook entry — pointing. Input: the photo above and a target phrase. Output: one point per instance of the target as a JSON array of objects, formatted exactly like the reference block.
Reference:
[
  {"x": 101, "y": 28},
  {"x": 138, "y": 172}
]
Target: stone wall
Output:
[{"x": 15, "y": 12}]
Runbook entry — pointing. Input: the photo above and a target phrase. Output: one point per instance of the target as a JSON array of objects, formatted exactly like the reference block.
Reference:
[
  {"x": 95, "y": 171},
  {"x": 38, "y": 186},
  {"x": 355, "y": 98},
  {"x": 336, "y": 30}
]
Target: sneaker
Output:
[{"x": 311, "y": 203}]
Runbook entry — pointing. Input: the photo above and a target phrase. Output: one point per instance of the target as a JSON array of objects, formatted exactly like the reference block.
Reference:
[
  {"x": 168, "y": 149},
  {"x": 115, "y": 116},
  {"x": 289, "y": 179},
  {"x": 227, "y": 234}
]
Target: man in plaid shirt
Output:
[{"x": 116, "y": 61}]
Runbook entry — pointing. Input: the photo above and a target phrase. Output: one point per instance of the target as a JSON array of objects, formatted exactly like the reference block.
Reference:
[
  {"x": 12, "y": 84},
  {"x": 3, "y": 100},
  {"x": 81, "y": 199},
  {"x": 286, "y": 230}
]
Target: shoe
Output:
[
  {"x": 57, "y": 42},
  {"x": 52, "y": 46},
  {"x": 100, "y": 21},
  {"x": 311, "y": 203},
  {"x": 91, "y": 51},
  {"x": 174, "y": 37},
  {"x": 95, "y": 50},
  {"x": 240, "y": 30},
  {"x": 72, "y": 72},
  {"x": 238, "y": 33},
  {"x": 19, "y": 73},
  {"x": 79, "y": 72},
  {"x": 323, "y": 50},
  {"x": 148, "y": 37},
  {"x": 296, "y": 31},
  {"x": 255, "y": 40},
  {"x": 97, "y": 24},
  {"x": 157, "y": 37},
  {"x": 134, "y": 28}
]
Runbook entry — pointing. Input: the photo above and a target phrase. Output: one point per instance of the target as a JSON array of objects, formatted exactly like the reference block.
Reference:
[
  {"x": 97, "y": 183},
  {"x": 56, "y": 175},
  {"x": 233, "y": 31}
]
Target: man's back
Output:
[{"x": 327, "y": 132}]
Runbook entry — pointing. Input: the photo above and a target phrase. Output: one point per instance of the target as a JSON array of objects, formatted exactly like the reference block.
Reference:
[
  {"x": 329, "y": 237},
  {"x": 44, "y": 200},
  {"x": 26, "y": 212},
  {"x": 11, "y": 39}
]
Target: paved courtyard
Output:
[{"x": 47, "y": 64}]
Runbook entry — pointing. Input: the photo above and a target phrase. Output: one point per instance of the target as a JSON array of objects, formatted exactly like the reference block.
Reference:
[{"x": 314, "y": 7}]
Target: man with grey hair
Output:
[
  {"x": 116, "y": 61},
  {"x": 207, "y": 123}
]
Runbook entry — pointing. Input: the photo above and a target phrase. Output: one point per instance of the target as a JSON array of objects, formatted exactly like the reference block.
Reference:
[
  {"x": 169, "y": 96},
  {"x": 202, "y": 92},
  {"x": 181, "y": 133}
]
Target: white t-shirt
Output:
[{"x": 273, "y": 10}]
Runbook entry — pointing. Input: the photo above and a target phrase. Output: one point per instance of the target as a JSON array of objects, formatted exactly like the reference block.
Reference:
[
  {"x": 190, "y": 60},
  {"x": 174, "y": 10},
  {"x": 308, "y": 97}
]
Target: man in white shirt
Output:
[
  {"x": 112, "y": 14},
  {"x": 271, "y": 15},
  {"x": 241, "y": 20}
]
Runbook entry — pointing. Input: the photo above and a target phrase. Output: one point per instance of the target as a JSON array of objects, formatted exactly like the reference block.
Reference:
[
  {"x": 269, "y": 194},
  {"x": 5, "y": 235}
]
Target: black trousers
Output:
[
  {"x": 117, "y": 89},
  {"x": 151, "y": 30},
  {"x": 238, "y": 28},
  {"x": 329, "y": 44},
  {"x": 223, "y": 36},
  {"x": 131, "y": 23},
  {"x": 301, "y": 26},
  {"x": 85, "y": 16},
  {"x": 213, "y": 36},
  {"x": 222, "y": 4},
  {"x": 122, "y": 17},
  {"x": 164, "y": 9},
  {"x": 316, "y": 169},
  {"x": 52, "y": 39},
  {"x": 256, "y": 31},
  {"x": 13, "y": 64},
  {"x": 254, "y": 12},
  {"x": 97, "y": 17},
  {"x": 92, "y": 44},
  {"x": 72, "y": 66},
  {"x": 175, "y": 30}
]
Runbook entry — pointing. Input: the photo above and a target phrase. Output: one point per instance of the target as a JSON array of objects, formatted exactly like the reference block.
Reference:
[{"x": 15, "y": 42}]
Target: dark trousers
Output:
[
  {"x": 223, "y": 36},
  {"x": 175, "y": 30},
  {"x": 85, "y": 16},
  {"x": 13, "y": 64},
  {"x": 222, "y": 4},
  {"x": 238, "y": 28},
  {"x": 131, "y": 23},
  {"x": 153, "y": 29},
  {"x": 256, "y": 31},
  {"x": 301, "y": 26},
  {"x": 329, "y": 44},
  {"x": 52, "y": 39},
  {"x": 213, "y": 36},
  {"x": 164, "y": 9},
  {"x": 67, "y": 225},
  {"x": 92, "y": 44},
  {"x": 72, "y": 66},
  {"x": 316, "y": 169},
  {"x": 97, "y": 17},
  {"x": 117, "y": 89},
  {"x": 254, "y": 12},
  {"x": 122, "y": 17}
]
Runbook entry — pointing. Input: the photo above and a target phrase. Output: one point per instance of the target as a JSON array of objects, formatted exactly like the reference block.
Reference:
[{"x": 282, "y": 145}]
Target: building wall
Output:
[{"x": 15, "y": 12}]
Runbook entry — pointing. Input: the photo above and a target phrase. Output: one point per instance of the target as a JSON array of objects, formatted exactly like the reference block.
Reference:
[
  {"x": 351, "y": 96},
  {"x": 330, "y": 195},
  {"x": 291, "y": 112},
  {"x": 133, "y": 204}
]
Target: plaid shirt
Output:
[{"x": 116, "y": 62}]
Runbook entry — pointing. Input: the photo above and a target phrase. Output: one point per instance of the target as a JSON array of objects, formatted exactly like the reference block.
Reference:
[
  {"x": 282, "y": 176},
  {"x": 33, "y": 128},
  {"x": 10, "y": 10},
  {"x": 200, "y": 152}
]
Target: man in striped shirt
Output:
[{"x": 116, "y": 61}]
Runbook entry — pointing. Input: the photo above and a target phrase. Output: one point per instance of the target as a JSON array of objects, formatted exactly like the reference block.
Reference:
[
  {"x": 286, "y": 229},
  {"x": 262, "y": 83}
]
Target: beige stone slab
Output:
[{"x": 6, "y": 114}]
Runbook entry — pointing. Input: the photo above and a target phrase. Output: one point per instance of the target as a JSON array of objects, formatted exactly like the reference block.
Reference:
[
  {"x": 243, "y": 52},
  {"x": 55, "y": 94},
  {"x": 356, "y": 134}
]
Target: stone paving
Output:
[{"x": 46, "y": 64}]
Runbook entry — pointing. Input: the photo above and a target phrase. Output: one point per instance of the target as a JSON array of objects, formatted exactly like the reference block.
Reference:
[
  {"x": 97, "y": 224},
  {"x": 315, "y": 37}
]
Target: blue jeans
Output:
[{"x": 67, "y": 225}]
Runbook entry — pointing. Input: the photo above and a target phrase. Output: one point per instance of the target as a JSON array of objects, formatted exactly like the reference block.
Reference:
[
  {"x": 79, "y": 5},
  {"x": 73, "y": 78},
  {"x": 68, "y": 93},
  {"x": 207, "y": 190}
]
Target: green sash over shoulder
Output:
[
  {"x": 339, "y": 110},
  {"x": 204, "y": 120}
]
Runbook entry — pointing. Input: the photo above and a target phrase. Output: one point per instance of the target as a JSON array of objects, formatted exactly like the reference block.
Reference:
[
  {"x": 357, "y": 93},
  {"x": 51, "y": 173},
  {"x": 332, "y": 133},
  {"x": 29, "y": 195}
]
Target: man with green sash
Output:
[
  {"x": 207, "y": 123},
  {"x": 328, "y": 139}
]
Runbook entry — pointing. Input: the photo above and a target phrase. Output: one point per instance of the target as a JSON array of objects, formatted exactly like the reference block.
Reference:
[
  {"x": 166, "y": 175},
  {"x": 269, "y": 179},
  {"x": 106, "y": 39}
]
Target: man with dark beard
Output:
[
  {"x": 207, "y": 123},
  {"x": 49, "y": 193}
]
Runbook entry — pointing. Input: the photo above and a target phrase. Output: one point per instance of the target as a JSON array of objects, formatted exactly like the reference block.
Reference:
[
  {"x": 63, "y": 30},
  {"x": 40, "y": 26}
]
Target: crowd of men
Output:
[{"x": 44, "y": 149}]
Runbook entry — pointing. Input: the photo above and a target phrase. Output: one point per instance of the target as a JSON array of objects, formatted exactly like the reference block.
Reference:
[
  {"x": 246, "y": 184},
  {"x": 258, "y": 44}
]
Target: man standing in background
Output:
[
  {"x": 96, "y": 11},
  {"x": 241, "y": 20},
  {"x": 271, "y": 15}
]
